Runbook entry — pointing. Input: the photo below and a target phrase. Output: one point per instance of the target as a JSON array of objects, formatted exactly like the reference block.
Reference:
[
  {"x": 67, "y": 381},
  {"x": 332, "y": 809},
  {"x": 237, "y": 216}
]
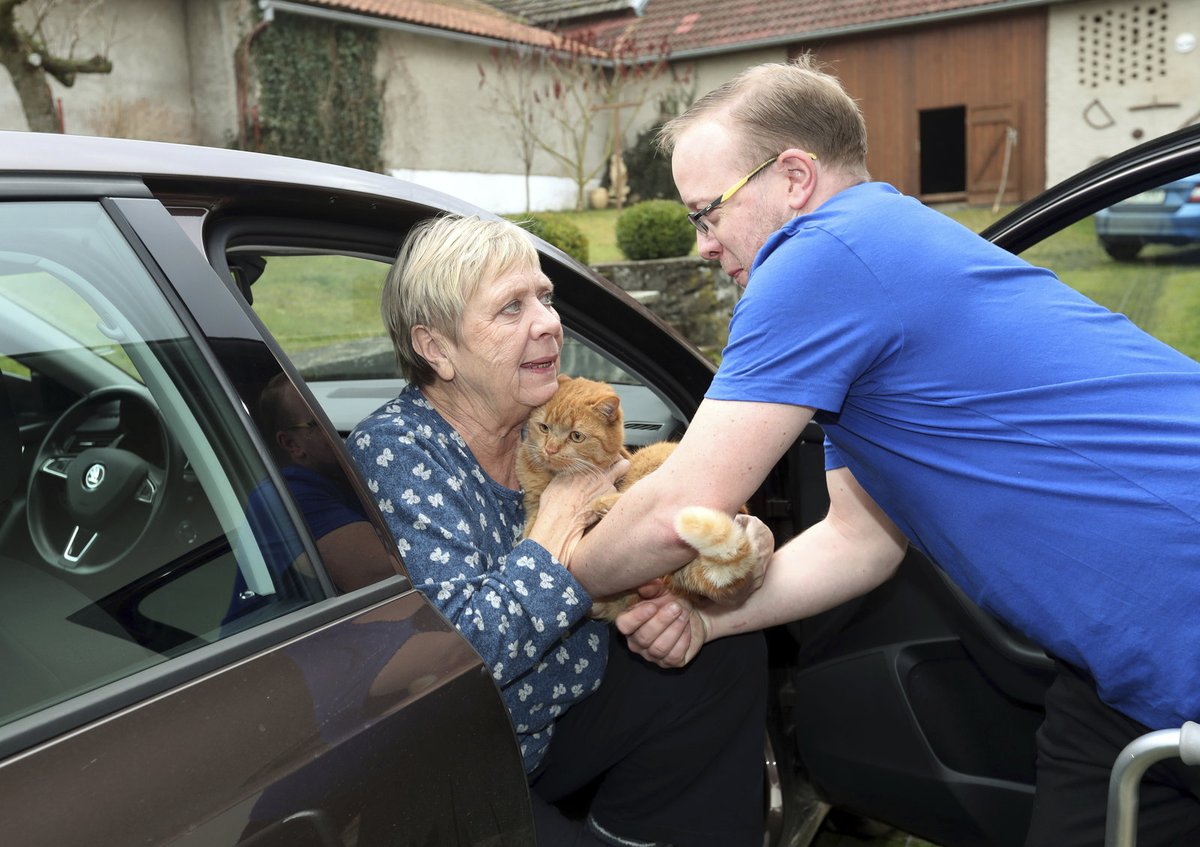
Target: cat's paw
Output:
[
  {"x": 603, "y": 504},
  {"x": 607, "y": 610}
]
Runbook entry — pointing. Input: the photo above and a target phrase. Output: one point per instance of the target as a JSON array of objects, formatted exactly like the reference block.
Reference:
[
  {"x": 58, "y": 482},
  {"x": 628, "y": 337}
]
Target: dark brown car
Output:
[{"x": 188, "y": 656}]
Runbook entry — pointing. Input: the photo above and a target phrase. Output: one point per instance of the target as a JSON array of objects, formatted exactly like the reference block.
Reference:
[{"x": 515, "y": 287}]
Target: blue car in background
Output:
[{"x": 1169, "y": 214}]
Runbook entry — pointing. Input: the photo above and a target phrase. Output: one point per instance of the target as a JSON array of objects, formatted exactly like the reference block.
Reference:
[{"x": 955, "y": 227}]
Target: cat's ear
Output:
[
  {"x": 563, "y": 379},
  {"x": 433, "y": 347},
  {"x": 609, "y": 407}
]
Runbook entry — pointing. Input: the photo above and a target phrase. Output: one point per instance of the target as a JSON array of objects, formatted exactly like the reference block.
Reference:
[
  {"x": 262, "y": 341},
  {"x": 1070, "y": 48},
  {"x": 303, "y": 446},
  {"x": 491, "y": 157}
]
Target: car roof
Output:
[{"x": 52, "y": 153}]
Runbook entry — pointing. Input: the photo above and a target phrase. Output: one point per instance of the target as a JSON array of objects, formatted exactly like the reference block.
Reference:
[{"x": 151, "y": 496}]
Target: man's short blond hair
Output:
[
  {"x": 439, "y": 268},
  {"x": 776, "y": 106}
]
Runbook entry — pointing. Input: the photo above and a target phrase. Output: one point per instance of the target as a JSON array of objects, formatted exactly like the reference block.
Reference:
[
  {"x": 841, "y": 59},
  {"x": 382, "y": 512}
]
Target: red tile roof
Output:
[
  {"x": 687, "y": 27},
  {"x": 472, "y": 17},
  {"x": 551, "y": 11},
  {"x": 701, "y": 26}
]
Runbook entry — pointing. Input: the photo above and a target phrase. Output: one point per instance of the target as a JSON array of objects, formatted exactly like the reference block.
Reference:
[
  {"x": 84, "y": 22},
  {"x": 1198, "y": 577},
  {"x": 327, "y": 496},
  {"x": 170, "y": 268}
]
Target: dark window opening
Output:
[{"x": 944, "y": 150}]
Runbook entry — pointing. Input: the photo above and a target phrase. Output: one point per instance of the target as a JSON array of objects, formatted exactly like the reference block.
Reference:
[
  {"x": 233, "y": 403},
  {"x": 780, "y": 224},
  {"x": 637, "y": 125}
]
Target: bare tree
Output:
[
  {"x": 566, "y": 91},
  {"x": 585, "y": 89},
  {"x": 29, "y": 58},
  {"x": 513, "y": 79}
]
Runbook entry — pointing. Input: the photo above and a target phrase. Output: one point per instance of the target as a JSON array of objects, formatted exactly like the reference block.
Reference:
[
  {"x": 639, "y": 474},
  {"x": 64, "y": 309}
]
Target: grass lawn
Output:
[{"x": 600, "y": 228}]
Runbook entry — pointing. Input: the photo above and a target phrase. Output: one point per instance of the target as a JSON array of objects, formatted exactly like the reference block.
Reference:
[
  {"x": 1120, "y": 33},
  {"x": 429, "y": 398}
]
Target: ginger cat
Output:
[{"x": 581, "y": 429}]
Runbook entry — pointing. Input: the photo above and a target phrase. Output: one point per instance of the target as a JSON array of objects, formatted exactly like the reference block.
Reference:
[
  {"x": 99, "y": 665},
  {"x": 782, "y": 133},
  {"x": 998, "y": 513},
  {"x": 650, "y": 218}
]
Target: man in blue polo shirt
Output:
[{"x": 974, "y": 406}]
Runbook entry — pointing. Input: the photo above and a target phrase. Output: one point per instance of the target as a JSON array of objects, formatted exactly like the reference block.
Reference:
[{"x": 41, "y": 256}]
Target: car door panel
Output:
[{"x": 305, "y": 733}]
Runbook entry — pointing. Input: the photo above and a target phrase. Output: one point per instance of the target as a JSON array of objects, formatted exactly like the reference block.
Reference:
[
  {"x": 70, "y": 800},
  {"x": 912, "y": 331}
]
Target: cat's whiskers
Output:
[{"x": 578, "y": 464}]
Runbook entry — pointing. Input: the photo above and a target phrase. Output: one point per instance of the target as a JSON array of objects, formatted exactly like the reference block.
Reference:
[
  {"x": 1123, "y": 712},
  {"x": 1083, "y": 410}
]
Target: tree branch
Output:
[
  {"x": 64, "y": 70},
  {"x": 28, "y": 59}
]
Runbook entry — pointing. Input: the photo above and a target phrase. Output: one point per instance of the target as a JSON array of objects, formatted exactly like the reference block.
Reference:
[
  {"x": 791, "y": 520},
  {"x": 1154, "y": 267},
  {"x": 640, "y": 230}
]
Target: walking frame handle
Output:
[{"x": 1131, "y": 764}]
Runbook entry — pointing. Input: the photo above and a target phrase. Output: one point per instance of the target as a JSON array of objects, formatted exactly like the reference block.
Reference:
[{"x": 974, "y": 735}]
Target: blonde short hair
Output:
[
  {"x": 780, "y": 105},
  {"x": 439, "y": 268}
]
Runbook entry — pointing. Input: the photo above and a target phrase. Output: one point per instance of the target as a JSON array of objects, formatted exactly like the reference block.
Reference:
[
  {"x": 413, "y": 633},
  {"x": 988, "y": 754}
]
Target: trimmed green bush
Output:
[
  {"x": 655, "y": 229},
  {"x": 557, "y": 230}
]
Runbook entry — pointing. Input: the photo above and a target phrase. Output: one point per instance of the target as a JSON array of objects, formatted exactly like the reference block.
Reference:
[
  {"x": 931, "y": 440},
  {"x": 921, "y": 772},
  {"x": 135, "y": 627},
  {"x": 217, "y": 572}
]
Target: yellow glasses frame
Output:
[{"x": 697, "y": 217}]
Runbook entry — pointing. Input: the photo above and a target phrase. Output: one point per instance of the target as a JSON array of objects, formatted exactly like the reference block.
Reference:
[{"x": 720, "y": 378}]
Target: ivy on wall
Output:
[{"x": 318, "y": 95}]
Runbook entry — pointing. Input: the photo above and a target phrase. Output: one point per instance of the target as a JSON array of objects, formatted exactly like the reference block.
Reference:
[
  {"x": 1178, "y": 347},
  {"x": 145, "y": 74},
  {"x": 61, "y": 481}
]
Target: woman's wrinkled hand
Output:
[
  {"x": 662, "y": 628},
  {"x": 565, "y": 510}
]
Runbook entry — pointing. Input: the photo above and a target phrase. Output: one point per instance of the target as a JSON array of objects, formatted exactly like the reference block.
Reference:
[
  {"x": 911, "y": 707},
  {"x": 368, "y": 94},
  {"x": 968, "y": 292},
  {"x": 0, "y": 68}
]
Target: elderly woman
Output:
[{"x": 669, "y": 757}]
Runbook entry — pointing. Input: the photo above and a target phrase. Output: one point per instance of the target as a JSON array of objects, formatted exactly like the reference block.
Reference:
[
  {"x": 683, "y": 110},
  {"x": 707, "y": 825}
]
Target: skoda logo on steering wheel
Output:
[{"x": 93, "y": 477}]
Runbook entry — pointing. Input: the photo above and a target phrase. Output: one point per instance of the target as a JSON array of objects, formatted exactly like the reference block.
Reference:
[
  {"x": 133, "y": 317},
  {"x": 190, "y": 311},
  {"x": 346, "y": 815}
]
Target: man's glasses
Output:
[{"x": 697, "y": 217}]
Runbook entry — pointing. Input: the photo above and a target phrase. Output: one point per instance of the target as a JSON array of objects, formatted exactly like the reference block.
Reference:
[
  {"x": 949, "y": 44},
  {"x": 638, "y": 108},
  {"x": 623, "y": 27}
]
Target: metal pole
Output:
[{"x": 1131, "y": 764}]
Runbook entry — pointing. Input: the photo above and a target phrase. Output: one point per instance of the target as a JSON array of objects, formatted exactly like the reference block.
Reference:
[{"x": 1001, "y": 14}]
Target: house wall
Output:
[
  {"x": 446, "y": 130},
  {"x": 443, "y": 130},
  {"x": 214, "y": 31},
  {"x": 174, "y": 79},
  {"x": 993, "y": 65},
  {"x": 716, "y": 70},
  {"x": 171, "y": 77},
  {"x": 1119, "y": 73}
]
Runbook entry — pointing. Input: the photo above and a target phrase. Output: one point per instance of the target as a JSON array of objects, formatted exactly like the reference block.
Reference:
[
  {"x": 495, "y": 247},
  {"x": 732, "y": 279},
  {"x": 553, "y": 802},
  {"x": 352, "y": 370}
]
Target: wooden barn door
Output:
[{"x": 993, "y": 160}]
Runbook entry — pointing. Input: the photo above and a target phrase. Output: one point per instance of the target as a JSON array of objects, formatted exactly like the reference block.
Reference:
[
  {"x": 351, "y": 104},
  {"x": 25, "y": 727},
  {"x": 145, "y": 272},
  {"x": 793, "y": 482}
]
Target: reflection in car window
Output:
[
  {"x": 1157, "y": 286},
  {"x": 36, "y": 292},
  {"x": 124, "y": 536},
  {"x": 324, "y": 312}
]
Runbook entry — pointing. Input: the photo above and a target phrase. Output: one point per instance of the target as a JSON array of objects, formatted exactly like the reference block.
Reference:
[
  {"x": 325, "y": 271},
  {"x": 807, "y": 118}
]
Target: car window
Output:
[
  {"x": 1141, "y": 258},
  {"x": 323, "y": 309},
  {"x": 137, "y": 519}
]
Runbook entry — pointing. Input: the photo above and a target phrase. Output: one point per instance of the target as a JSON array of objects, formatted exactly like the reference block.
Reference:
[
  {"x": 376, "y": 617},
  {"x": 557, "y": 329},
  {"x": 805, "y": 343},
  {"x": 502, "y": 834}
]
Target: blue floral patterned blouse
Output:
[{"x": 459, "y": 532}]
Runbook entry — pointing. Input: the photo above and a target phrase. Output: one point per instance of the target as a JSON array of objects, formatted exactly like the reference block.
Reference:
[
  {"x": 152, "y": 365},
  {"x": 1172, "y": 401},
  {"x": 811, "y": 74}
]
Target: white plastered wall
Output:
[
  {"x": 441, "y": 131},
  {"x": 444, "y": 130},
  {"x": 1119, "y": 72}
]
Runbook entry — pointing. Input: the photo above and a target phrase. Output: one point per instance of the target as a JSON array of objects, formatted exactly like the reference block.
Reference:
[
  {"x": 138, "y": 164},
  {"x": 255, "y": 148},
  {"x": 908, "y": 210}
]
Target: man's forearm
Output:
[
  {"x": 816, "y": 571},
  {"x": 714, "y": 466},
  {"x": 634, "y": 544}
]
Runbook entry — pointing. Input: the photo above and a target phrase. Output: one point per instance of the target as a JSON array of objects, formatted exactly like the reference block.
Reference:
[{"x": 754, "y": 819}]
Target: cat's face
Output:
[{"x": 581, "y": 428}]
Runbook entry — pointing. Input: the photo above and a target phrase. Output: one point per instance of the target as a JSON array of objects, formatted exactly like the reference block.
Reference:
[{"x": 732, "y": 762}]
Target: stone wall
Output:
[{"x": 694, "y": 296}]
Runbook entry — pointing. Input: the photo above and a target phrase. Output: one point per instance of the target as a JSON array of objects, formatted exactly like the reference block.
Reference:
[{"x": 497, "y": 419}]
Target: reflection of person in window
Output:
[{"x": 348, "y": 543}]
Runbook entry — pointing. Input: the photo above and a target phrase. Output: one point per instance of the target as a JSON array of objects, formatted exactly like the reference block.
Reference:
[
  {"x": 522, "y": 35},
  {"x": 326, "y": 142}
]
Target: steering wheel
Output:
[{"x": 89, "y": 504}]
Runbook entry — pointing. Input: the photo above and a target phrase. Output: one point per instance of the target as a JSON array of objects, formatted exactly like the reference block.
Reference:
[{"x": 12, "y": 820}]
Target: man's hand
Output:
[
  {"x": 762, "y": 542},
  {"x": 663, "y": 628}
]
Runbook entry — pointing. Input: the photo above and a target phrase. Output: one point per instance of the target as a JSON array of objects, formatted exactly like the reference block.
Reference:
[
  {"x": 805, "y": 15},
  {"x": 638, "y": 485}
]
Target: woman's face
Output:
[{"x": 510, "y": 338}]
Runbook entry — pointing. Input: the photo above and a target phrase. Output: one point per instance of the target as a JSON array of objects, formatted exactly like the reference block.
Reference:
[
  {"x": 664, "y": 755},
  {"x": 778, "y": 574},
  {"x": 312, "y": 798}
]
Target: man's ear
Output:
[
  {"x": 290, "y": 445},
  {"x": 431, "y": 346},
  {"x": 801, "y": 172}
]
